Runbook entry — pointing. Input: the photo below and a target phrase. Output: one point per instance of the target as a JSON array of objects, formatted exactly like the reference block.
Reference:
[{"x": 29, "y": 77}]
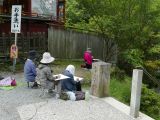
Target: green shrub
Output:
[
  {"x": 130, "y": 59},
  {"x": 150, "y": 103},
  {"x": 118, "y": 73},
  {"x": 152, "y": 67},
  {"x": 152, "y": 64},
  {"x": 121, "y": 90},
  {"x": 134, "y": 57}
]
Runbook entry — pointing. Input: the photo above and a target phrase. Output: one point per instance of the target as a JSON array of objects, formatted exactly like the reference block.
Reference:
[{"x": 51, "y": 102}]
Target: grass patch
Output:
[
  {"x": 60, "y": 65},
  {"x": 121, "y": 90}
]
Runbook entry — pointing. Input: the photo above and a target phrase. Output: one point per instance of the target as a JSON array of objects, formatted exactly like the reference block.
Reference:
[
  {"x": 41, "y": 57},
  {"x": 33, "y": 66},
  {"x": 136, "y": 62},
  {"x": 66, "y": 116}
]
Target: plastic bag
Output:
[
  {"x": 13, "y": 83},
  {"x": 71, "y": 95},
  {"x": 8, "y": 81}
]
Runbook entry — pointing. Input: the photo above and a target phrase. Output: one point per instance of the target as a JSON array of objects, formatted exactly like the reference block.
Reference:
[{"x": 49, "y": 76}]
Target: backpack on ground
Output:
[{"x": 80, "y": 95}]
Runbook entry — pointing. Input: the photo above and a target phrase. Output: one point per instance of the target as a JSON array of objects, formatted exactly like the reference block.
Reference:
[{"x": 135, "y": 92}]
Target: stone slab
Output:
[{"x": 93, "y": 109}]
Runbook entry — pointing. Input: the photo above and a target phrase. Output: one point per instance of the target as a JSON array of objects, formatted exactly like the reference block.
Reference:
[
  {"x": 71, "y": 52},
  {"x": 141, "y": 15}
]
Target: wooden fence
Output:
[
  {"x": 65, "y": 44},
  {"x": 71, "y": 44},
  {"x": 25, "y": 42}
]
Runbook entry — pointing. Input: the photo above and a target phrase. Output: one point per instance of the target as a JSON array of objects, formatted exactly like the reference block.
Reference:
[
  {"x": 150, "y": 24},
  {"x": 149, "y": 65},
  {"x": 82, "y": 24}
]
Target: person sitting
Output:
[
  {"x": 44, "y": 73},
  {"x": 70, "y": 84},
  {"x": 1, "y": 77},
  {"x": 30, "y": 69},
  {"x": 88, "y": 58},
  {"x": 70, "y": 87}
]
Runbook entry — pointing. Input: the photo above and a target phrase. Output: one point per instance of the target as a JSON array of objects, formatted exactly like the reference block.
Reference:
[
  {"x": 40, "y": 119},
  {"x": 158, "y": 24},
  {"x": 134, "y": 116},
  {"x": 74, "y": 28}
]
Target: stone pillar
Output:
[
  {"x": 100, "y": 79},
  {"x": 136, "y": 92}
]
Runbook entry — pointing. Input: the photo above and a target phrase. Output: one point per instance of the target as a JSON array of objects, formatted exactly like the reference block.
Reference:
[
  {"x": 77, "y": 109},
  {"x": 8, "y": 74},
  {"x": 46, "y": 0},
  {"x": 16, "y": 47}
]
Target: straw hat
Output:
[{"x": 47, "y": 58}]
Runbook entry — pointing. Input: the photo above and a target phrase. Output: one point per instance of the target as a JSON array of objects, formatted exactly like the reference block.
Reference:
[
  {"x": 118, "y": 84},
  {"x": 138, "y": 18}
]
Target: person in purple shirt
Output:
[
  {"x": 30, "y": 69},
  {"x": 88, "y": 58}
]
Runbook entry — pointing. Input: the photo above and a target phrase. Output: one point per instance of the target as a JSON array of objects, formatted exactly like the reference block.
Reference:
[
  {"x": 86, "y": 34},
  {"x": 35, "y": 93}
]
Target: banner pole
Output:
[{"x": 14, "y": 59}]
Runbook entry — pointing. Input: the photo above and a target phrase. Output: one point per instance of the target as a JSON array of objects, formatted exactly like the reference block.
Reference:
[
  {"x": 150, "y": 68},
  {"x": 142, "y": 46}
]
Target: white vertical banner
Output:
[{"x": 16, "y": 19}]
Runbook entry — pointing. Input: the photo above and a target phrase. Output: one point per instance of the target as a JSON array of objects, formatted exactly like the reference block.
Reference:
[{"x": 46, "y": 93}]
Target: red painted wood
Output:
[{"x": 29, "y": 25}]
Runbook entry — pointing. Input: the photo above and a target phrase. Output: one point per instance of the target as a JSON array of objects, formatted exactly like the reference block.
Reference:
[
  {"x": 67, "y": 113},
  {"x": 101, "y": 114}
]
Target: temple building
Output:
[
  {"x": 36, "y": 14},
  {"x": 36, "y": 17}
]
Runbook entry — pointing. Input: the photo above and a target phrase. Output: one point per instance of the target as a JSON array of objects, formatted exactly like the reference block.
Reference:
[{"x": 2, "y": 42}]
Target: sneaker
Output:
[
  {"x": 50, "y": 91},
  {"x": 35, "y": 85},
  {"x": 64, "y": 96}
]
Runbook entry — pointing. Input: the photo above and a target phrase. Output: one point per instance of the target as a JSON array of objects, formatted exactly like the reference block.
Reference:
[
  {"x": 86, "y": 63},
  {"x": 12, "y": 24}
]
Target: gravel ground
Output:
[
  {"x": 21, "y": 95},
  {"x": 24, "y": 103}
]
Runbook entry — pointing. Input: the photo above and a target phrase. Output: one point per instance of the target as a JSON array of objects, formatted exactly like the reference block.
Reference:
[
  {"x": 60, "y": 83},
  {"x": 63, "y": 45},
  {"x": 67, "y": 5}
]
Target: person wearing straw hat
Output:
[
  {"x": 44, "y": 72},
  {"x": 30, "y": 69}
]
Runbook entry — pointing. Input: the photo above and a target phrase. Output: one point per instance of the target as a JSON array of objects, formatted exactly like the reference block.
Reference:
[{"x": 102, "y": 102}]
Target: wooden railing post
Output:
[{"x": 100, "y": 79}]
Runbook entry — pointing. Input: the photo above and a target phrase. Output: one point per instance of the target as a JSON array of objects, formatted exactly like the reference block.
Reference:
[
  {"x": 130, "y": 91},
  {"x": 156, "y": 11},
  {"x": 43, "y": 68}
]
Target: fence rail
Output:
[{"x": 25, "y": 42}]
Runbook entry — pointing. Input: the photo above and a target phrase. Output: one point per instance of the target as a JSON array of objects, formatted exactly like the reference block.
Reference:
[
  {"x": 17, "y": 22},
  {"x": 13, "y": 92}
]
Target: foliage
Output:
[
  {"x": 134, "y": 57},
  {"x": 121, "y": 89},
  {"x": 117, "y": 73},
  {"x": 155, "y": 49},
  {"x": 153, "y": 68},
  {"x": 154, "y": 52},
  {"x": 152, "y": 64},
  {"x": 150, "y": 103},
  {"x": 132, "y": 25},
  {"x": 73, "y": 13}
]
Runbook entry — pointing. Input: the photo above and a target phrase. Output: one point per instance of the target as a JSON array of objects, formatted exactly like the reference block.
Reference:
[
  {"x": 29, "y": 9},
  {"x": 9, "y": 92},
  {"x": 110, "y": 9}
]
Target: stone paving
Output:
[
  {"x": 94, "y": 109},
  {"x": 23, "y": 103}
]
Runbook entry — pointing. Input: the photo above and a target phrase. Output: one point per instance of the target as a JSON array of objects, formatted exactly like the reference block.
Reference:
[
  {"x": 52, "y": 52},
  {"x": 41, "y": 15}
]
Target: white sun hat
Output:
[
  {"x": 71, "y": 69},
  {"x": 47, "y": 58}
]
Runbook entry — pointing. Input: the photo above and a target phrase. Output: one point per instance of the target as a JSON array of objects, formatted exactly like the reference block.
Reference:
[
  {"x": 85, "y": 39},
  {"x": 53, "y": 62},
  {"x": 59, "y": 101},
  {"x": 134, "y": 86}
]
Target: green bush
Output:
[
  {"x": 130, "y": 59},
  {"x": 118, "y": 73},
  {"x": 121, "y": 90},
  {"x": 150, "y": 103},
  {"x": 153, "y": 69},
  {"x": 134, "y": 57},
  {"x": 153, "y": 65}
]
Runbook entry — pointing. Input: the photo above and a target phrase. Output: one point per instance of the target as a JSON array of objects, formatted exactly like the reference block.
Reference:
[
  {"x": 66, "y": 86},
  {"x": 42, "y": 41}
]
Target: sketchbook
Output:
[
  {"x": 79, "y": 78},
  {"x": 60, "y": 77}
]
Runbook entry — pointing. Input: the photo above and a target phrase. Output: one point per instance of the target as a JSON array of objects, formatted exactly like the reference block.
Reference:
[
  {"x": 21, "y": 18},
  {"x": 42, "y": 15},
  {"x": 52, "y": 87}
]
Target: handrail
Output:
[{"x": 155, "y": 81}]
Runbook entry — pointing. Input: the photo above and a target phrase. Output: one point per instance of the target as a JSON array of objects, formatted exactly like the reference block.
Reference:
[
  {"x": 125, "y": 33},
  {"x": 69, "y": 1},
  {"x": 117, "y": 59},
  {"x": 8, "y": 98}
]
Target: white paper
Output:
[
  {"x": 79, "y": 78},
  {"x": 61, "y": 77},
  {"x": 95, "y": 59}
]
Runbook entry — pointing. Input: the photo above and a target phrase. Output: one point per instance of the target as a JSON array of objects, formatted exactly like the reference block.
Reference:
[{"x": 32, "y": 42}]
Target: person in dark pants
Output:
[
  {"x": 30, "y": 69},
  {"x": 88, "y": 58},
  {"x": 70, "y": 84},
  {"x": 1, "y": 77}
]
